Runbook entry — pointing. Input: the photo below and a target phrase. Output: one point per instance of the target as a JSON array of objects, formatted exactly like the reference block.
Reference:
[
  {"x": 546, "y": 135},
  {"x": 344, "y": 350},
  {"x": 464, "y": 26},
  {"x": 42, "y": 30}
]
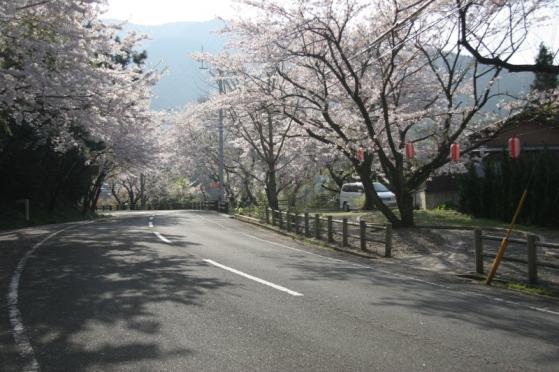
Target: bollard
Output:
[
  {"x": 388, "y": 241},
  {"x": 317, "y": 226},
  {"x": 344, "y": 232},
  {"x": 307, "y": 232},
  {"x": 288, "y": 219},
  {"x": 532, "y": 260},
  {"x": 363, "y": 235},
  {"x": 330, "y": 230},
  {"x": 478, "y": 250}
]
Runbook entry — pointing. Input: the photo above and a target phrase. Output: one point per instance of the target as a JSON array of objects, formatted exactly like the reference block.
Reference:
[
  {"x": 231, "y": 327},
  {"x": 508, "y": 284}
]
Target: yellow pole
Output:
[{"x": 504, "y": 242}]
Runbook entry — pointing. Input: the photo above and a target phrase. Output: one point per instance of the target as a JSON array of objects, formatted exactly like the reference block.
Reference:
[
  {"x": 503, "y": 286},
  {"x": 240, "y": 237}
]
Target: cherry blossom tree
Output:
[
  {"x": 374, "y": 75},
  {"x": 63, "y": 71},
  {"x": 494, "y": 31}
]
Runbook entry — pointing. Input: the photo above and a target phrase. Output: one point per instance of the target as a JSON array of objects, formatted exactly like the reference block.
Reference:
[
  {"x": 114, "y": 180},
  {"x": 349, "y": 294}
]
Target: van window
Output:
[
  {"x": 379, "y": 187},
  {"x": 346, "y": 188},
  {"x": 359, "y": 189}
]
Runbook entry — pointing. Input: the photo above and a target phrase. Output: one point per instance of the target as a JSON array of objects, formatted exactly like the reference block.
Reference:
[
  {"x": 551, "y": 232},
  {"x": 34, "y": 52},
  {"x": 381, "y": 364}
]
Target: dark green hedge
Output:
[{"x": 497, "y": 193}]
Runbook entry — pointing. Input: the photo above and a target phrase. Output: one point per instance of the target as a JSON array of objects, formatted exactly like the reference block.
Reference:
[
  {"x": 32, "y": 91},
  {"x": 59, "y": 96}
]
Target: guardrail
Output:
[
  {"x": 532, "y": 244},
  {"x": 341, "y": 232}
]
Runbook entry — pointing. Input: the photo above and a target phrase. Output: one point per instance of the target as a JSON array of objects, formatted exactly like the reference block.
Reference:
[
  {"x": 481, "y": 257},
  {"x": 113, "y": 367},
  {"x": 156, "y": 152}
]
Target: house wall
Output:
[
  {"x": 431, "y": 200},
  {"x": 530, "y": 134}
]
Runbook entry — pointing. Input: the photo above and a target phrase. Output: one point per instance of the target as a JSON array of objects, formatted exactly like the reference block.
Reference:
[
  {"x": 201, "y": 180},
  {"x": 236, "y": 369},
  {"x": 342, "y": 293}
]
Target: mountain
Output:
[{"x": 169, "y": 48}]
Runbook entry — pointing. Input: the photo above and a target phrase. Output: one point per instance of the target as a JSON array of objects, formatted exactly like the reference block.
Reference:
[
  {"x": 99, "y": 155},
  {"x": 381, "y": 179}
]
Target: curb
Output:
[{"x": 313, "y": 242}]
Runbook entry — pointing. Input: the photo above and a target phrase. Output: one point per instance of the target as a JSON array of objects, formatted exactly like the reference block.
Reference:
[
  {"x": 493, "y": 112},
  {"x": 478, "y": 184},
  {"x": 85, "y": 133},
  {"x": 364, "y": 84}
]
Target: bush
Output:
[
  {"x": 496, "y": 194},
  {"x": 323, "y": 200}
]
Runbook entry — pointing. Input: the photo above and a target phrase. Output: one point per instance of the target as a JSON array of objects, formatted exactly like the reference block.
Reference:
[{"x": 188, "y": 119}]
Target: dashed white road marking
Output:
[
  {"x": 485, "y": 296},
  {"x": 330, "y": 258},
  {"x": 161, "y": 237},
  {"x": 248, "y": 276}
]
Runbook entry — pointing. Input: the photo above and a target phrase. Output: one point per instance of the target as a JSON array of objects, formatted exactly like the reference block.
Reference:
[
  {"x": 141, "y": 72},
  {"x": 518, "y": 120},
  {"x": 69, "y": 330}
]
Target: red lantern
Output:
[
  {"x": 455, "y": 151},
  {"x": 410, "y": 151},
  {"x": 514, "y": 147},
  {"x": 361, "y": 154}
]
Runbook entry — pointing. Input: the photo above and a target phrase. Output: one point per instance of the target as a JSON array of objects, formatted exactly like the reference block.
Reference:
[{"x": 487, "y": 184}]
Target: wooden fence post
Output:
[
  {"x": 273, "y": 217},
  {"x": 478, "y": 251},
  {"x": 267, "y": 216},
  {"x": 388, "y": 241},
  {"x": 317, "y": 226},
  {"x": 280, "y": 219},
  {"x": 288, "y": 220},
  {"x": 307, "y": 232},
  {"x": 532, "y": 260},
  {"x": 297, "y": 220},
  {"x": 363, "y": 235},
  {"x": 344, "y": 232},
  {"x": 330, "y": 230}
]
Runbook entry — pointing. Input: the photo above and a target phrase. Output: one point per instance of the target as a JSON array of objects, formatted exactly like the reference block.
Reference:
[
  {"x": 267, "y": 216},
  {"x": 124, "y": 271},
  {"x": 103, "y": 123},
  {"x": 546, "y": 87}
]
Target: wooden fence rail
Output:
[
  {"x": 532, "y": 244},
  {"x": 340, "y": 232}
]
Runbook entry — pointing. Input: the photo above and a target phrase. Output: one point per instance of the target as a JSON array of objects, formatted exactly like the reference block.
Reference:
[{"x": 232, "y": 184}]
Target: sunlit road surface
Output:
[{"x": 197, "y": 291}]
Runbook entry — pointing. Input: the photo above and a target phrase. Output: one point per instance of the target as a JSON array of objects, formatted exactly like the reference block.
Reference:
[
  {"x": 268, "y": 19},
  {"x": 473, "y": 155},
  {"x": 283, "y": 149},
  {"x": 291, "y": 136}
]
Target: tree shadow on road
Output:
[
  {"x": 95, "y": 297},
  {"x": 476, "y": 309}
]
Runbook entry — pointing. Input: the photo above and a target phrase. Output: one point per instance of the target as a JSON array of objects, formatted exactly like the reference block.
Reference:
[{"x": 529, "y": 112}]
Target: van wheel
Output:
[{"x": 346, "y": 207}]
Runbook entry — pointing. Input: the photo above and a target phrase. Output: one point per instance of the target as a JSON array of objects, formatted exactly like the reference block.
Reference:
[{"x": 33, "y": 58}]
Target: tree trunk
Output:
[
  {"x": 97, "y": 192},
  {"x": 372, "y": 200},
  {"x": 404, "y": 198},
  {"x": 271, "y": 189},
  {"x": 405, "y": 206},
  {"x": 142, "y": 192}
]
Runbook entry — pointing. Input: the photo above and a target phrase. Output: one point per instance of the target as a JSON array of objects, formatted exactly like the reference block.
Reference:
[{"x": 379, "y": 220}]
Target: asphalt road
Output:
[{"x": 197, "y": 291}]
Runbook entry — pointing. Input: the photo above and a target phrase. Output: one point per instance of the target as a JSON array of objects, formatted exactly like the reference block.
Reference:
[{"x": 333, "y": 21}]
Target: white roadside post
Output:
[{"x": 26, "y": 203}]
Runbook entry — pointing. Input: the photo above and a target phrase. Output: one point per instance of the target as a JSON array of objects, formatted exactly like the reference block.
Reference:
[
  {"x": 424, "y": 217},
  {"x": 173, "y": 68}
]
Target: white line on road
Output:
[
  {"x": 18, "y": 329},
  {"x": 161, "y": 237},
  {"x": 150, "y": 224},
  {"x": 485, "y": 296},
  {"x": 331, "y": 258},
  {"x": 262, "y": 281}
]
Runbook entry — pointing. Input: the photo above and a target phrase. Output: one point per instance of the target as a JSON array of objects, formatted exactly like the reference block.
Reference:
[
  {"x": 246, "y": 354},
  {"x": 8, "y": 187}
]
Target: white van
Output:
[{"x": 352, "y": 195}]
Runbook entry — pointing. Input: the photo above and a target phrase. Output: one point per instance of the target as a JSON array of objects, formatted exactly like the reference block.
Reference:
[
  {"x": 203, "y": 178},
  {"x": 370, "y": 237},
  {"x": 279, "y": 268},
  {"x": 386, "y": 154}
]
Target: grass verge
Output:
[
  {"x": 542, "y": 291},
  {"x": 516, "y": 286},
  {"x": 438, "y": 217}
]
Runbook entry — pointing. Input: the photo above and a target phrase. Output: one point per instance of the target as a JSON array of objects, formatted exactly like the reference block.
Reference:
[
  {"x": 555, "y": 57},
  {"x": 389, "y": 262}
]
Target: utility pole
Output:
[
  {"x": 220, "y": 128},
  {"x": 142, "y": 192},
  {"x": 221, "y": 160}
]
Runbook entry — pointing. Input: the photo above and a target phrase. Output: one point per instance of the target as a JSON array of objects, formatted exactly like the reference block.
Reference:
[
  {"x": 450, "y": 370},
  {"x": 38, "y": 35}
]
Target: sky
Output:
[{"x": 168, "y": 11}]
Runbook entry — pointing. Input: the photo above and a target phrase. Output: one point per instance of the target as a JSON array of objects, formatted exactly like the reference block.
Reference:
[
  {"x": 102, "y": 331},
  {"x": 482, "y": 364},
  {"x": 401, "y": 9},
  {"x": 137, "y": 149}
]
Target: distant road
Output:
[{"x": 197, "y": 291}]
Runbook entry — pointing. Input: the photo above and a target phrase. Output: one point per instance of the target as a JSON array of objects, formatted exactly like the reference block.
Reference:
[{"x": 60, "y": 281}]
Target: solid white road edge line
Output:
[
  {"x": 262, "y": 281},
  {"x": 161, "y": 237},
  {"x": 18, "y": 329},
  {"x": 496, "y": 299}
]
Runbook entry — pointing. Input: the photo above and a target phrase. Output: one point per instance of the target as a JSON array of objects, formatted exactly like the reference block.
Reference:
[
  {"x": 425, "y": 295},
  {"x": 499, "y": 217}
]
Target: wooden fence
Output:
[
  {"x": 531, "y": 259},
  {"x": 340, "y": 232}
]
